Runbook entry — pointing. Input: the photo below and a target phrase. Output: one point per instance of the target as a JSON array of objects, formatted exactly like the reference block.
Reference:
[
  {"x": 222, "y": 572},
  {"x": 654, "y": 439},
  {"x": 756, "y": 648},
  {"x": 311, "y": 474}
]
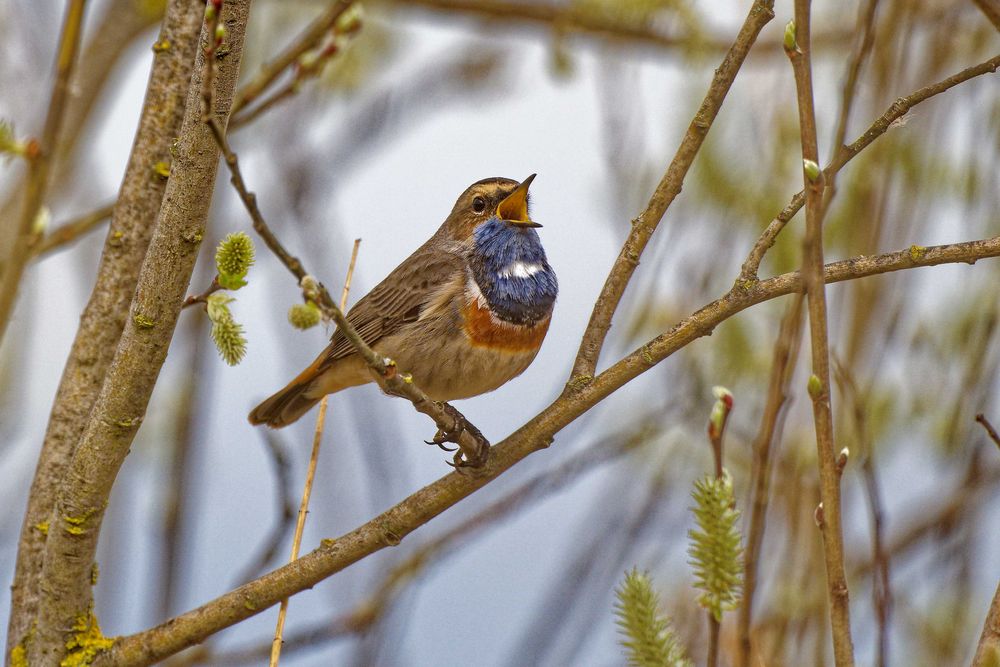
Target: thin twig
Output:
[
  {"x": 991, "y": 9},
  {"x": 896, "y": 110},
  {"x": 864, "y": 42},
  {"x": 786, "y": 350},
  {"x": 992, "y": 432},
  {"x": 585, "y": 365},
  {"x": 276, "y": 67},
  {"x": 300, "y": 522},
  {"x": 38, "y": 168},
  {"x": 716, "y": 436},
  {"x": 390, "y": 527},
  {"x": 72, "y": 230},
  {"x": 214, "y": 287},
  {"x": 881, "y": 588},
  {"x": 828, "y": 514},
  {"x": 577, "y": 20},
  {"x": 988, "y": 648}
]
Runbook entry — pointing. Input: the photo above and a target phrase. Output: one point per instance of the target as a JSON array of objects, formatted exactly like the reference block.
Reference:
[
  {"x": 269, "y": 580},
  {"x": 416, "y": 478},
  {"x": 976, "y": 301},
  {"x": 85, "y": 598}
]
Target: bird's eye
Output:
[{"x": 478, "y": 204}]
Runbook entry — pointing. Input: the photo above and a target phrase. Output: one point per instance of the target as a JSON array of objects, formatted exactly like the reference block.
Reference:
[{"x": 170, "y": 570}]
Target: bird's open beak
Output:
[{"x": 514, "y": 207}]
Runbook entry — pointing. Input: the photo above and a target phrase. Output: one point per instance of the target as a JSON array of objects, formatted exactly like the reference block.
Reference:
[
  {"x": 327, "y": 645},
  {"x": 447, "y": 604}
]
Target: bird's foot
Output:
[{"x": 473, "y": 448}]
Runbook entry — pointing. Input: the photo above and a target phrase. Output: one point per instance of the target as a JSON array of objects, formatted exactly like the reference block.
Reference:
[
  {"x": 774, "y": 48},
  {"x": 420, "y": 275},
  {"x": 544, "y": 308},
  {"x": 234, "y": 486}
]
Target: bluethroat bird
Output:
[{"x": 463, "y": 314}]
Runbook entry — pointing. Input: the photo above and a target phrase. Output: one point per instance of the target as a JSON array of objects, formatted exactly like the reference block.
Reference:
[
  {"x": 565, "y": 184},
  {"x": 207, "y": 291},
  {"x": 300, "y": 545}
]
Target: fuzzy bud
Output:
[
  {"x": 350, "y": 21},
  {"x": 304, "y": 315},
  {"x": 227, "y": 333},
  {"x": 233, "y": 258},
  {"x": 720, "y": 411}
]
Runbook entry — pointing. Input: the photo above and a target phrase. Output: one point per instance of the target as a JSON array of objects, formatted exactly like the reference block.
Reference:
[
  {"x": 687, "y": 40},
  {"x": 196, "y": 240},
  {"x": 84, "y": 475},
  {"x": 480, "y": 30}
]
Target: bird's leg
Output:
[{"x": 473, "y": 448}]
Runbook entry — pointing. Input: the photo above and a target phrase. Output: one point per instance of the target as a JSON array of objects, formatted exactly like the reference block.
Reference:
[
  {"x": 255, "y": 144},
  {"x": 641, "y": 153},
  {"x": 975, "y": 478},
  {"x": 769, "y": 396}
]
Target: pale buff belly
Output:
[{"x": 445, "y": 367}]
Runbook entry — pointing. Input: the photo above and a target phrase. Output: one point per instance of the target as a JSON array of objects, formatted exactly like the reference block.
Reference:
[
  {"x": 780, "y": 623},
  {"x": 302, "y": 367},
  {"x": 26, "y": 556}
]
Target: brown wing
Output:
[{"x": 400, "y": 298}]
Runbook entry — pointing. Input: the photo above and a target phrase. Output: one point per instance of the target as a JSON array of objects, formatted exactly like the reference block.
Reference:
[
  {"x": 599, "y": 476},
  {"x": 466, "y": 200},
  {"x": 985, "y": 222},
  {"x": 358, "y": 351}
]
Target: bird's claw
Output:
[
  {"x": 439, "y": 439},
  {"x": 472, "y": 454}
]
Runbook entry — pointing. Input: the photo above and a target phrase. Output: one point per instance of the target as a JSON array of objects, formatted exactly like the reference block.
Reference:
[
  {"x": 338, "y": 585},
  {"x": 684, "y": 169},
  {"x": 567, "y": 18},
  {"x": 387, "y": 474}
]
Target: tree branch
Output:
[
  {"x": 786, "y": 350},
  {"x": 585, "y": 365},
  {"x": 39, "y": 166},
  {"x": 390, "y": 527},
  {"x": 845, "y": 154},
  {"x": 72, "y": 230},
  {"x": 74, "y": 525},
  {"x": 819, "y": 382},
  {"x": 104, "y": 316}
]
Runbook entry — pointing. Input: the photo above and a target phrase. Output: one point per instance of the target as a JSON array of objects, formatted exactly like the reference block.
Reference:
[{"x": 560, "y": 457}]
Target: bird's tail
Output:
[{"x": 290, "y": 403}]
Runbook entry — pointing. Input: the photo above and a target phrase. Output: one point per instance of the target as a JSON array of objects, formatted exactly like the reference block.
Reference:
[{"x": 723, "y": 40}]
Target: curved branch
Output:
[{"x": 390, "y": 527}]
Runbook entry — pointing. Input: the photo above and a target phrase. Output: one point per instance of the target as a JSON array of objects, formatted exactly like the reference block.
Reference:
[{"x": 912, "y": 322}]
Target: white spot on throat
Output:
[{"x": 519, "y": 269}]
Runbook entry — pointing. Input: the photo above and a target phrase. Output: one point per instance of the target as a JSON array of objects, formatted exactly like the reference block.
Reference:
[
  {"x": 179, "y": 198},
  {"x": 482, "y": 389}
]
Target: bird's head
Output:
[{"x": 501, "y": 198}]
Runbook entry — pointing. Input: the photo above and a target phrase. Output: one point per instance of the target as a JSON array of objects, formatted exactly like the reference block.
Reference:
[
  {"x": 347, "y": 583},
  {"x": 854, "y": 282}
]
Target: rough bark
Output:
[
  {"x": 104, "y": 316},
  {"x": 74, "y": 525}
]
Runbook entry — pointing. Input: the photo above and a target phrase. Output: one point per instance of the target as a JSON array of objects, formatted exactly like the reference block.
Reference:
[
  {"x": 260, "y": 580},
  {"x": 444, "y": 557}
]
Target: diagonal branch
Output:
[
  {"x": 585, "y": 365},
  {"x": 390, "y": 527}
]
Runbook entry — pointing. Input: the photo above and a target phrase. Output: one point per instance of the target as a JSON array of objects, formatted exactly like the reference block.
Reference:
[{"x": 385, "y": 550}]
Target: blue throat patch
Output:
[{"x": 518, "y": 297}]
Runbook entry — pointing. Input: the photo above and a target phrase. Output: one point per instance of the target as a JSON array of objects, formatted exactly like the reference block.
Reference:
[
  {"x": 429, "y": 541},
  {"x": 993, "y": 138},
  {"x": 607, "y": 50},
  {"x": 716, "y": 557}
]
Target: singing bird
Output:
[{"x": 464, "y": 314}]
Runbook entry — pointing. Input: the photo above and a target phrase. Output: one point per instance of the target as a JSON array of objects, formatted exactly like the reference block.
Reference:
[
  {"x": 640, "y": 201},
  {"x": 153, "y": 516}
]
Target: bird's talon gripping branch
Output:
[{"x": 439, "y": 439}]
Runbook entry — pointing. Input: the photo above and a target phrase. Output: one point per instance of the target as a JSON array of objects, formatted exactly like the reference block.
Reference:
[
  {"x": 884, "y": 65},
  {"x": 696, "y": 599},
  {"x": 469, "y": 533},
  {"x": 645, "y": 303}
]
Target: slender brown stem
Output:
[
  {"x": 585, "y": 365},
  {"x": 276, "y": 67},
  {"x": 988, "y": 648},
  {"x": 72, "y": 230},
  {"x": 38, "y": 169},
  {"x": 203, "y": 297},
  {"x": 990, "y": 9},
  {"x": 300, "y": 522},
  {"x": 819, "y": 382},
  {"x": 390, "y": 527},
  {"x": 896, "y": 110},
  {"x": 990, "y": 431},
  {"x": 786, "y": 349}
]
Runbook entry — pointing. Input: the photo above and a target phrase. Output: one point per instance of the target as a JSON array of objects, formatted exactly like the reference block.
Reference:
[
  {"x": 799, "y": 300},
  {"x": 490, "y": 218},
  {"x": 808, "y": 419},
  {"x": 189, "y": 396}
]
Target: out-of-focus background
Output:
[{"x": 431, "y": 96}]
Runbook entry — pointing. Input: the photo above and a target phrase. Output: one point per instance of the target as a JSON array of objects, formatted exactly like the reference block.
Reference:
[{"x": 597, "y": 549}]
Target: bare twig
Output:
[
  {"x": 72, "y": 230},
  {"x": 786, "y": 350},
  {"x": 390, "y": 527},
  {"x": 881, "y": 589},
  {"x": 300, "y": 522},
  {"x": 214, "y": 287},
  {"x": 864, "y": 41},
  {"x": 845, "y": 154},
  {"x": 305, "y": 41},
  {"x": 990, "y": 431},
  {"x": 819, "y": 382},
  {"x": 991, "y": 9},
  {"x": 38, "y": 168},
  {"x": 988, "y": 649},
  {"x": 585, "y": 365},
  {"x": 575, "y": 19}
]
